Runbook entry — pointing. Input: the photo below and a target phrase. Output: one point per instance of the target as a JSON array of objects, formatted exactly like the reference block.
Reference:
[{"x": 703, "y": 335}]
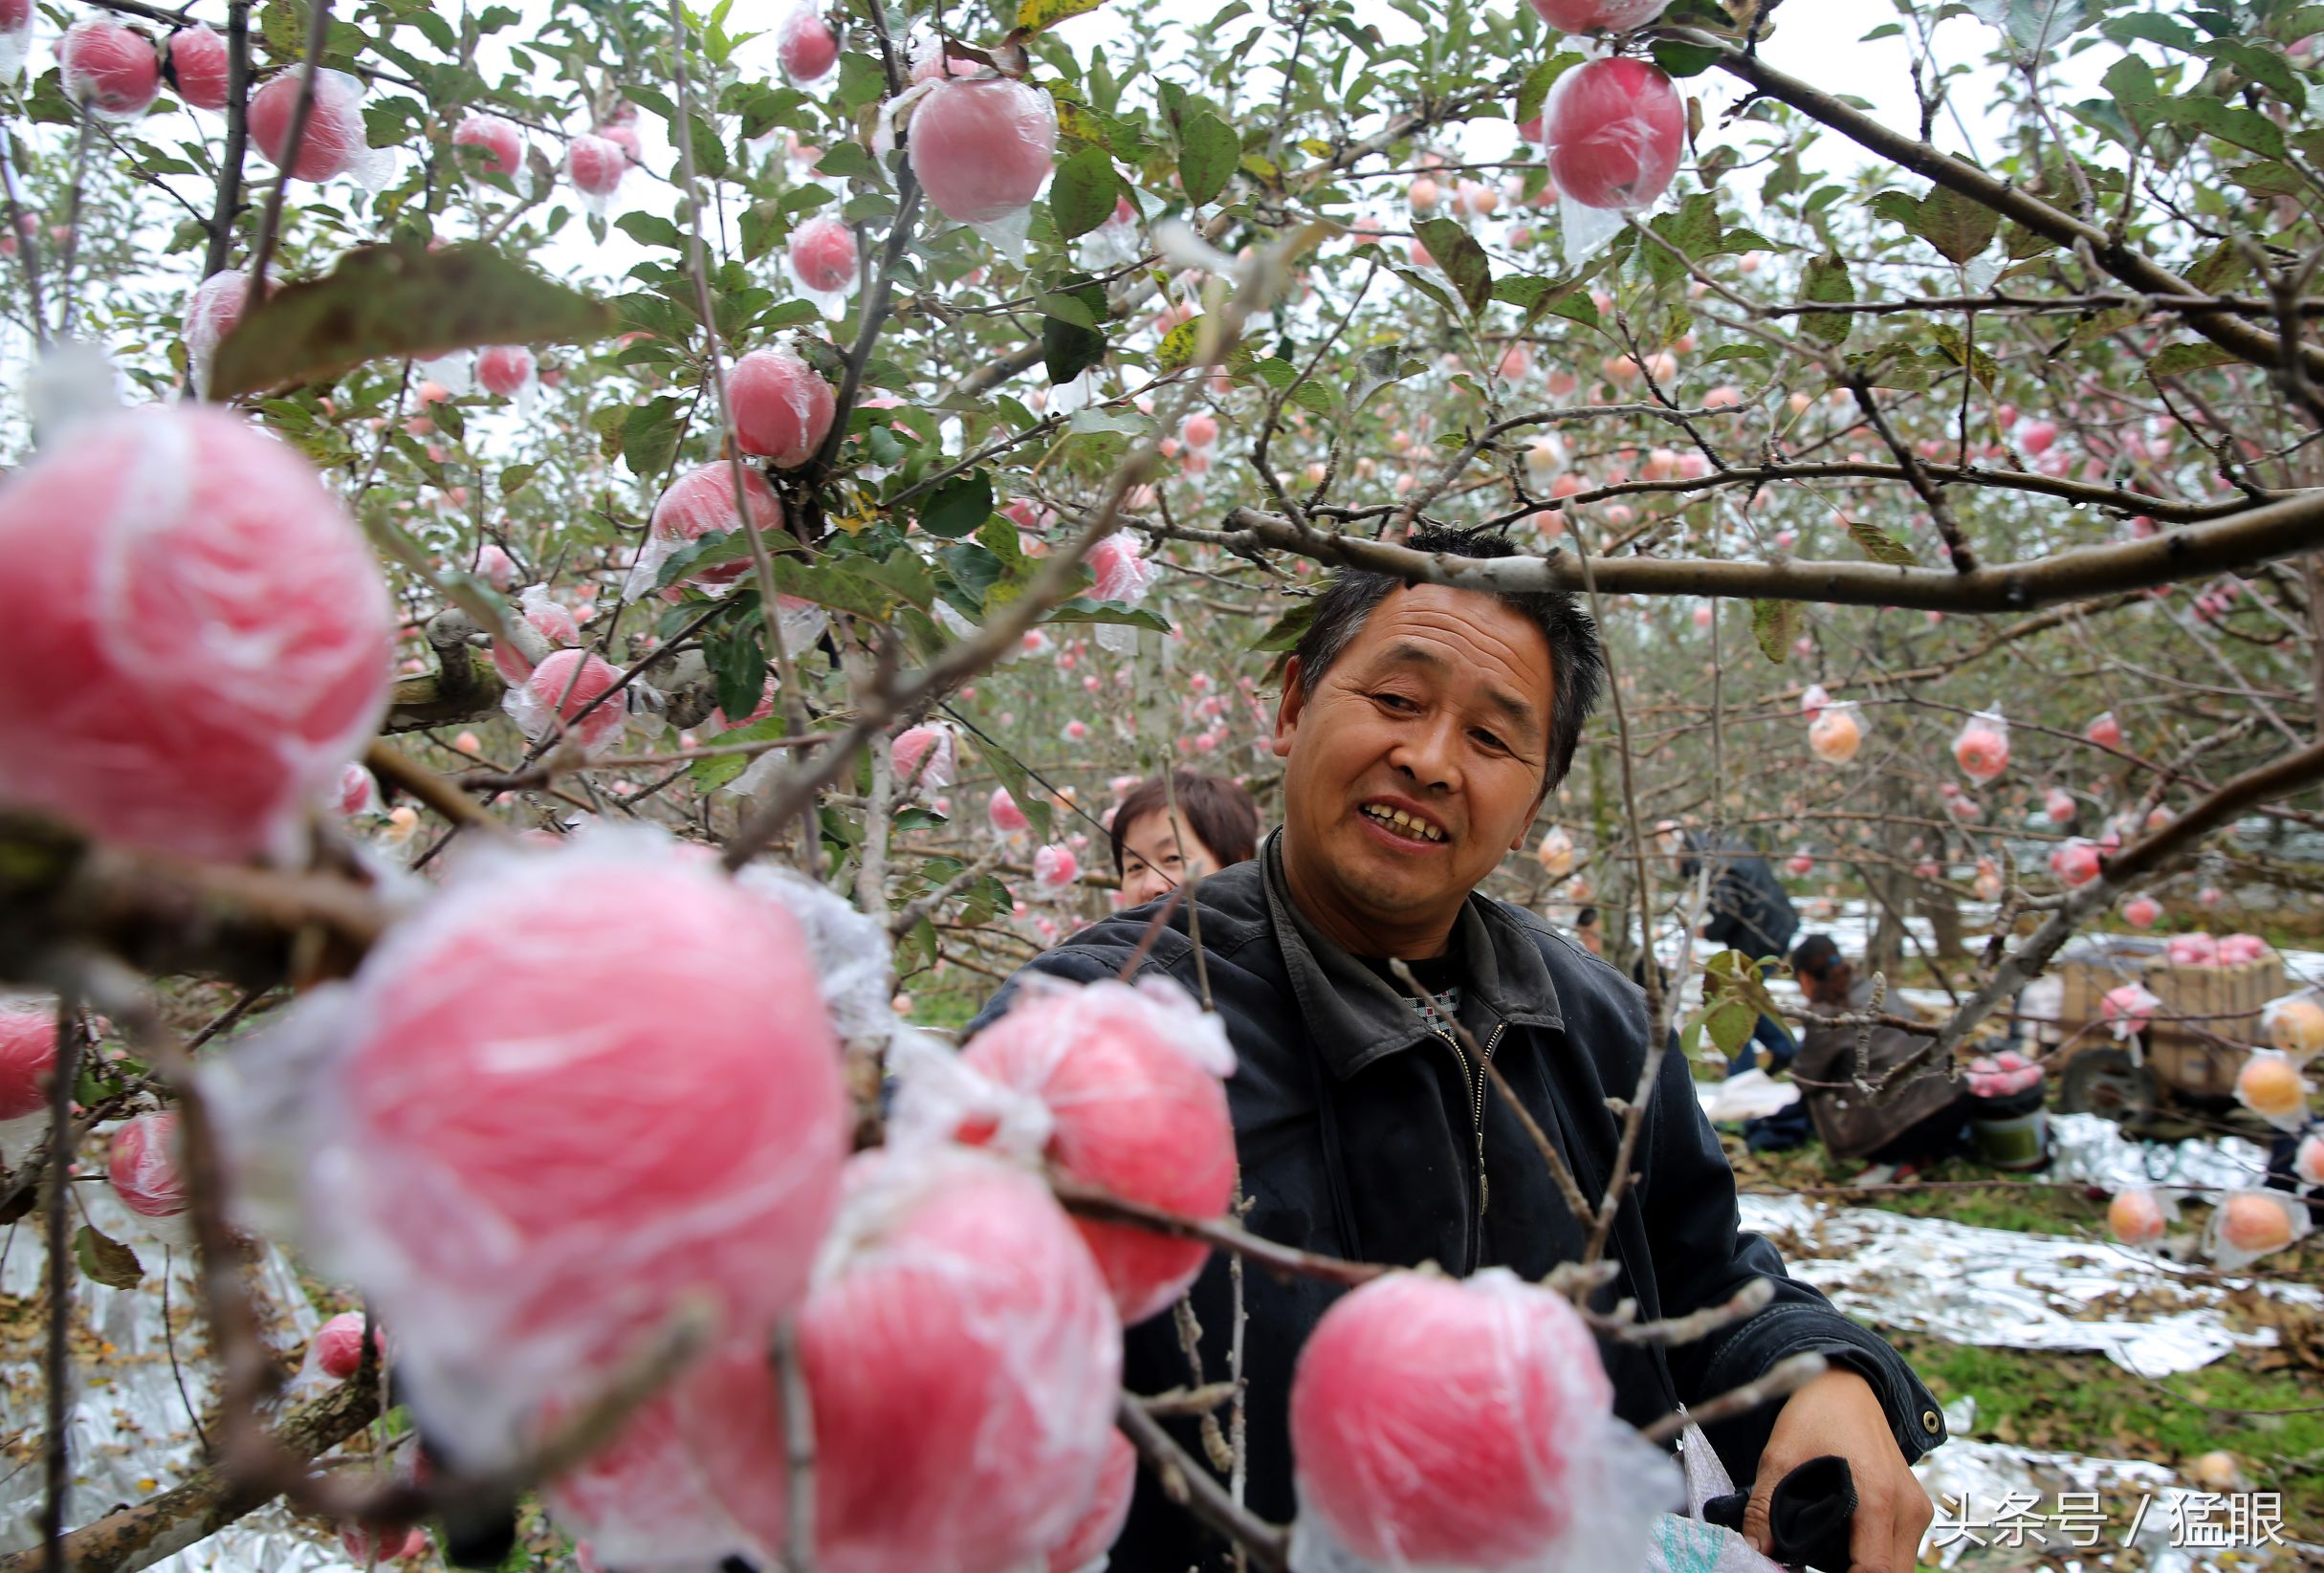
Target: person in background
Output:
[
  {"x": 1923, "y": 1119},
  {"x": 1585, "y": 930},
  {"x": 1215, "y": 826},
  {"x": 1744, "y": 908}
]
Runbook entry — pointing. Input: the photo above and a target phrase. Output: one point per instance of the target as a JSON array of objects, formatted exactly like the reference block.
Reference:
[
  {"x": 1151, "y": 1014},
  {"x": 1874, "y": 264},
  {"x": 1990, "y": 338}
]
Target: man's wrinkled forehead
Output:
[{"x": 1406, "y": 653}]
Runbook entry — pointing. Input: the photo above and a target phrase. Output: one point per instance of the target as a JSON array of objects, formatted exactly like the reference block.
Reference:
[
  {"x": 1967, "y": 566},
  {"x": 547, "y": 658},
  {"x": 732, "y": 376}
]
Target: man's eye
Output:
[
  {"x": 1492, "y": 742},
  {"x": 1395, "y": 700}
]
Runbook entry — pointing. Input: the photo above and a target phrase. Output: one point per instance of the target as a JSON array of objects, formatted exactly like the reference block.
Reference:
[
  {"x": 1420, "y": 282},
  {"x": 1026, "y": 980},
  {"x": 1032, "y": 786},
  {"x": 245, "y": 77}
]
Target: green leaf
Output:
[
  {"x": 708, "y": 551},
  {"x": 1880, "y": 546},
  {"x": 1575, "y": 306},
  {"x": 1693, "y": 229},
  {"x": 1033, "y": 16},
  {"x": 713, "y": 770},
  {"x": 736, "y": 655},
  {"x": 1383, "y": 365},
  {"x": 651, "y": 229},
  {"x": 106, "y": 1260},
  {"x": 1208, "y": 152},
  {"x": 283, "y": 26},
  {"x": 1534, "y": 89},
  {"x": 392, "y": 301},
  {"x": 1527, "y": 290},
  {"x": 959, "y": 507},
  {"x": 2131, "y": 83},
  {"x": 862, "y": 78},
  {"x": 1826, "y": 280},
  {"x": 1289, "y": 629},
  {"x": 513, "y": 479},
  {"x": 2034, "y": 26},
  {"x": 847, "y": 161},
  {"x": 1084, "y": 192},
  {"x": 1425, "y": 285},
  {"x": 2244, "y": 128},
  {"x": 1961, "y": 353},
  {"x": 1462, "y": 259},
  {"x": 1959, "y": 227},
  {"x": 1775, "y": 624},
  {"x": 1084, "y": 609},
  {"x": 650, "y": 436},
  {"x": 1067, "y": 350},
  {"x": 2154, "y": 29},
  {"x": 766, "y": 106},
  {"x": 2263, "y": 66},
  {"x": 1728, "y": 1024},
  {"x": 2219, "y": 268},
  {"x": 2179, "y": 360},
  {"x": 903, "y": 571},
  {"x": 1179, "y": 346},
  {"x": 1679, "y": 59}
]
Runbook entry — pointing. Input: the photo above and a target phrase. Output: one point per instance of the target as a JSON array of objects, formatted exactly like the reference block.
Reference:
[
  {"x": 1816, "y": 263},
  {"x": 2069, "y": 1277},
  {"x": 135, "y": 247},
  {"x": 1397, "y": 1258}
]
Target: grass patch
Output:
[{"x": 2084, "y": 1403}]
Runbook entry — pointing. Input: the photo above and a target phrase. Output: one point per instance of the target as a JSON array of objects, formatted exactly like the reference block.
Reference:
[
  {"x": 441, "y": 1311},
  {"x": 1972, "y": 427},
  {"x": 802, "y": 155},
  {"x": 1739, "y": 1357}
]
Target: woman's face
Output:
[{"x": 1155, "y": 852}]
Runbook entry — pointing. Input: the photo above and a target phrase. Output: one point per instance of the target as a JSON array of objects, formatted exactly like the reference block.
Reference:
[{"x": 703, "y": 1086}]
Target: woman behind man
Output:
[{"x": 1216, "y": 824}]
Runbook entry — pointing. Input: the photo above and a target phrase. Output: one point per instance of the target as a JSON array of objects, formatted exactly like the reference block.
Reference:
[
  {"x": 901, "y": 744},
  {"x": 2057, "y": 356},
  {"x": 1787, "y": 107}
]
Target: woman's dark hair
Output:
[
  {"x": 1220, "y": 813},
  {"x": 1577, "y": 665},
  {"x": 1815, "y": 957}
]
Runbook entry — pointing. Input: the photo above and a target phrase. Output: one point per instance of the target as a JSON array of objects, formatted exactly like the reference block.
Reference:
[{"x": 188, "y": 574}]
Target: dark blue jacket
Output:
[
  {"x": 1747, "y": 908},
  {"x": 1358, "y": 1134}
]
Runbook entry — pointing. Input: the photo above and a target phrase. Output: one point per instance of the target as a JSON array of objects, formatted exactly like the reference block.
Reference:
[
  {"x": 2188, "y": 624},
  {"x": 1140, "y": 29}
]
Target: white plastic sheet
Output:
[
  {"x": 131, "y": 1431},
  {"x": 1998, "y": 1288}
]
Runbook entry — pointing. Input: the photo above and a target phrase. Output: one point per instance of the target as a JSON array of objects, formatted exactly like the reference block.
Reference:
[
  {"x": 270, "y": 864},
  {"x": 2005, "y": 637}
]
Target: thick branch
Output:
[
  {"x": 221, "y": 249},
  {"x": 162, "y": 914},
  {"x": 2259, "y": 535}
]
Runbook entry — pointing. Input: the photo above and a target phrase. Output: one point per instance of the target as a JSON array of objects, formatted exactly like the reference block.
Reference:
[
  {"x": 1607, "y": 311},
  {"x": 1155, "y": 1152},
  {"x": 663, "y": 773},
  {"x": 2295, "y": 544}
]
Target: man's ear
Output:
[{"x": 1287, "y": 709}]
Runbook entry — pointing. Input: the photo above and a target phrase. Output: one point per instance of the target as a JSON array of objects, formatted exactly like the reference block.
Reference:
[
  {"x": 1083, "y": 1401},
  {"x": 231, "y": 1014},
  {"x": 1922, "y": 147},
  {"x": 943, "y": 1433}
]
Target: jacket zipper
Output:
[{"x": 1475, "y": 1082}]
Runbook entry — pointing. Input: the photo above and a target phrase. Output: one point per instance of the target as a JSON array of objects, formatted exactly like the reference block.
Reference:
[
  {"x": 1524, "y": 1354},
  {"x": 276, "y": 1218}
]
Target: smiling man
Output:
[{"x": 1420, "y": 728}]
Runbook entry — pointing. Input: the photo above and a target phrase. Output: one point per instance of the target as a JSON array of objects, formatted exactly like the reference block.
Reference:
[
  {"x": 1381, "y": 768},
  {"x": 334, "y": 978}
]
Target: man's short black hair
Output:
[
  {"x": 1815, "y": 957},
  {"x": 1577, "y": 664}
]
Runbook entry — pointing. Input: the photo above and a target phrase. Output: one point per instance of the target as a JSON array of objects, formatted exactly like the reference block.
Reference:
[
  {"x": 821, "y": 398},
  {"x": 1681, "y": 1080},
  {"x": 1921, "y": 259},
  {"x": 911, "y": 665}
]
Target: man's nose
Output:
[{"x": 1429, "y": 754}]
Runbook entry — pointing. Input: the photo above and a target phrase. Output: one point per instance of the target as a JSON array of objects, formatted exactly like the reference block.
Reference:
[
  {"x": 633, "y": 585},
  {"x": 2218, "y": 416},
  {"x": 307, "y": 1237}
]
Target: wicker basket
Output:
[{"x": 2218, "y": 1009}]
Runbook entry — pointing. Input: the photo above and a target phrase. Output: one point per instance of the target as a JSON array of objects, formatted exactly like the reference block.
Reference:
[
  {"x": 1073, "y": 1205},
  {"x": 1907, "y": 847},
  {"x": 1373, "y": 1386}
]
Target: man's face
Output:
[{"x": 1437, "y": 714}]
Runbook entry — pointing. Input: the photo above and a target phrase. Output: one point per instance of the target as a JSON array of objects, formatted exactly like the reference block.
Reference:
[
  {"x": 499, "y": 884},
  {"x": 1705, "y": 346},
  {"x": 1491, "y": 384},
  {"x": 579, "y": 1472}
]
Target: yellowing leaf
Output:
[
  {"x": 386, "y": 302},
  {"x": 1033, "y": 16}
]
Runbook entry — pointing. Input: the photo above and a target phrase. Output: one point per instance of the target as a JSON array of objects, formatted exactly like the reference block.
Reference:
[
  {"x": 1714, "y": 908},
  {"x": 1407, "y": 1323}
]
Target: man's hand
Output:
[{"x": 1838, "y": 1413}]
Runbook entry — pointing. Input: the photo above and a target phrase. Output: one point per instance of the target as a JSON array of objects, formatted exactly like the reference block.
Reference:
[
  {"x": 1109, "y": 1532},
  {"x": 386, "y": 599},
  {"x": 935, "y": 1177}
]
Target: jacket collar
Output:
[{"x": 1352, "y": 1013}]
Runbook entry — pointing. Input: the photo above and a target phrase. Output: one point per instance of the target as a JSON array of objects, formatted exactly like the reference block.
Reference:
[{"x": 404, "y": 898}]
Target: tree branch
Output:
[
  {"x": 2134, "y": 267},
  {"x": 2258, "y": 534}
]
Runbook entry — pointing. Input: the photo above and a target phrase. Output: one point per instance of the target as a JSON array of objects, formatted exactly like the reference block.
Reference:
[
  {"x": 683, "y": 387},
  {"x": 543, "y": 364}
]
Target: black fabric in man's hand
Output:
[{"x": 1808, "y": 1514}]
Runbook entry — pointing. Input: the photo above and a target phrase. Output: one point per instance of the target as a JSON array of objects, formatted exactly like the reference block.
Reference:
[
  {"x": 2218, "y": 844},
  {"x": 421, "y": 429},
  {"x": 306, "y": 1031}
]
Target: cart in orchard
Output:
[{"x": 2191, "y": 1050}]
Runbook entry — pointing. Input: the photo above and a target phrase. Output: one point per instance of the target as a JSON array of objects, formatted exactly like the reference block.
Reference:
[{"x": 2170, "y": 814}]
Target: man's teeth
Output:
[{"x": 1398, "y": 819}]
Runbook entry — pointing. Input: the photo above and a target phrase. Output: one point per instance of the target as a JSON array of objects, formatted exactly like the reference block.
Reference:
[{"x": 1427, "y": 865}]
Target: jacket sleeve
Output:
[
  {"x": 1702, "y": 1256},
  {"x": 1094, "y": 953}
]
